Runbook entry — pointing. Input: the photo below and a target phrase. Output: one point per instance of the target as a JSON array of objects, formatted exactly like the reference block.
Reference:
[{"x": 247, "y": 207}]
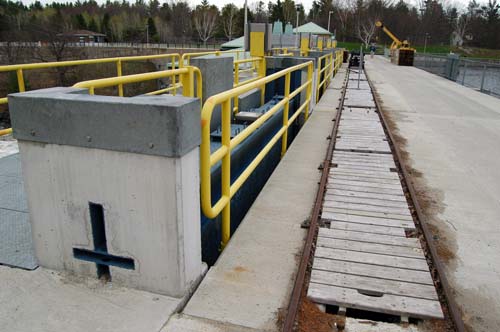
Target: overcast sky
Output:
[{"x": 251, "y": 3}]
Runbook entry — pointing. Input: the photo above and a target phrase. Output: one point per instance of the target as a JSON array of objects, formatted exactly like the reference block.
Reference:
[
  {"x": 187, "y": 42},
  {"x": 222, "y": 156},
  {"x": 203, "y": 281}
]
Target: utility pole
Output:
[
  {"x": 245, "y": 22},
  {"x": 297, "y": 7},
  {"x": 329, "y": 14},
  {"x": 147, "y": 33}
]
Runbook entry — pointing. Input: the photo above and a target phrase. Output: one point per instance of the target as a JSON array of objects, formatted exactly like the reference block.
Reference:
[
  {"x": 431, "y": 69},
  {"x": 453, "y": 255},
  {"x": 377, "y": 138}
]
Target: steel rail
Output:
[
  {"x": 456, "y": 315},
  {"x": 307, "y": 250}
]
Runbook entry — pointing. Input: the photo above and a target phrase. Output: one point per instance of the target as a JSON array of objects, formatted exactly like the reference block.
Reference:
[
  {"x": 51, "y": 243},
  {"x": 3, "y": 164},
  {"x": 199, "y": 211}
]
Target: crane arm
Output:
[{"x": 395, "y": 39}]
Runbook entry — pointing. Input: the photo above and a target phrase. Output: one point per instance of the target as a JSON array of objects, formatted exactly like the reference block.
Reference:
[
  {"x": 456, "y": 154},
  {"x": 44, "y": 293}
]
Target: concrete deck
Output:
[
  {"x": 452, "y": 136},
  {"x": 250, "y": 285}
]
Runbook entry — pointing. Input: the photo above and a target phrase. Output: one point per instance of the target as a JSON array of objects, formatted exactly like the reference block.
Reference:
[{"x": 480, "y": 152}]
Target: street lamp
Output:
[
  {"x": 297, "y": 7},
  {"x": 329, "y": 14}
]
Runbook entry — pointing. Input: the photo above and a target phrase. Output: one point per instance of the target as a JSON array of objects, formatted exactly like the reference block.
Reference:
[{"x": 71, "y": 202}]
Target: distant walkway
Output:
[{"x": 452, "y": 136}]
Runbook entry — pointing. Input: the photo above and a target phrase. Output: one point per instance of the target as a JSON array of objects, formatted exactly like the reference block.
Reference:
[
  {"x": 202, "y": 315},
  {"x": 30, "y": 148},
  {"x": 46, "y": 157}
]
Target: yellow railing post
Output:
[
  {"x": 262, "y": 73},
  {"x": 187, "y": 80},
  {"x": 284, "y": 139},
  {"x": 226, "y": 171},
  {"x": 174, "y": 91},
  {"x": 119, "y": 73},
  {"x": 236, "y": 82},
  {"x": 20, "y": 80},
  {"x": 310, "y": 70}
]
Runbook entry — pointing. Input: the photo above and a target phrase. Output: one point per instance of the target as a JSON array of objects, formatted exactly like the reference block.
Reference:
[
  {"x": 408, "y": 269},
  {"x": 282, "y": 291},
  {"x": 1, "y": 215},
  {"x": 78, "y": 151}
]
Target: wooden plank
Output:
[
  {"x": 374, "y": 248},
  {"x": 376, "y": 175},
  {"x": 383, "y": 272},
  {"x": 365, "y": 179},
  {"x": 377, "y": 229},
  {"x": 365, "y": 195},
  {"x": 368, "y": 213},
  {"x": 370, "y": 258},
  {"x": 389, "y": 304},
  {"x": 374, "y": 190},
  {"x": 362, "y": 155},
  {"x": 370, "y": 237},
  {"x": 404, "y": 211},
  {"x": 367, "y": 220},
  {"x": 372, "y": 173},
  {"x": 365, "y": 183},
  {"x": 367, "y": 201},
  {"x": 363, "y": 168},
  {"x": 384, "y": 286}
]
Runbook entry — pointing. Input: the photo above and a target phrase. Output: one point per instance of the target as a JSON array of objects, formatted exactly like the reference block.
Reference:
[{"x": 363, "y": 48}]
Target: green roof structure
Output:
[
  {"x": 312, "y": 28},
  {"x": 235, "y": 43}
]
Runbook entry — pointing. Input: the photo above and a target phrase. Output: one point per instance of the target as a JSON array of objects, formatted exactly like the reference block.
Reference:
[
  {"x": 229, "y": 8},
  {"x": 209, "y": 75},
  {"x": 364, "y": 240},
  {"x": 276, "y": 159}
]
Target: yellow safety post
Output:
[
  {"x": 320, "y": 43},
  {"x": 174, "y": 91},
  {"x": 20, "y": 80},
  {"x": 236, "y": 83},
  {"x": 226, "y": 170},
  {"x": 262, "y": 73},
  {"x": 119, "y": 73},
  {"x": 284, "y": 139},
  {"x": 304, "y": 46}
]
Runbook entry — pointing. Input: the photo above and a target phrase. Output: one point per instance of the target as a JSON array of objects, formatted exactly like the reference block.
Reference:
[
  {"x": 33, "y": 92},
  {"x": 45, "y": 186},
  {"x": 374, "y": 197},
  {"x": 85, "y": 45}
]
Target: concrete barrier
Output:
[{"x": 113, "y": 185}]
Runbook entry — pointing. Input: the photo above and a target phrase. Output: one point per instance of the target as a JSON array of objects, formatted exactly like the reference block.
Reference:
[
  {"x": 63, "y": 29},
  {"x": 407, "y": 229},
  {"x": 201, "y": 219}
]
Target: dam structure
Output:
[{"x": 286, "y": 186}]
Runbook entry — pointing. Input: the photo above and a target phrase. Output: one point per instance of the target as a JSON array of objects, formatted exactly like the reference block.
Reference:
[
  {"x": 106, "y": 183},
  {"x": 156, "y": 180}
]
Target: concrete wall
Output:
[
  {"x": 145, "y": 173},
  {"x": 217, "y": 74}
]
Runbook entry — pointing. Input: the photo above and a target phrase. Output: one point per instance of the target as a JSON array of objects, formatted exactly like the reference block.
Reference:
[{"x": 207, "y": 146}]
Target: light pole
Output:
[
  {"x": 329, "y": 14},
  {"x": 245, "y": 21},
  {"x": 297, "y": 7}
]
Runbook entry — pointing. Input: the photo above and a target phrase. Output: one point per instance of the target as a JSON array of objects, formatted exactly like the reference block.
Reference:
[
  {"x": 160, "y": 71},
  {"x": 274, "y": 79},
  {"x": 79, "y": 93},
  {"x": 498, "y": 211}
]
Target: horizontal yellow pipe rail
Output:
[
  {"x": 5, "y": 131},
  {"x": 209, "y": 159},
  {"x": 186, "y": 57},
  {"x": 186, "y": 75}
]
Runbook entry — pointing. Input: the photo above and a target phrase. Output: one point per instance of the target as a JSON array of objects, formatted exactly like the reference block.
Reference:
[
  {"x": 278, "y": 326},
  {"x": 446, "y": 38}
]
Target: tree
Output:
[
  {"x": 152, "y": 32},
  {"x": 205, "y": 17},
  {"x": 228, "y": 20}
]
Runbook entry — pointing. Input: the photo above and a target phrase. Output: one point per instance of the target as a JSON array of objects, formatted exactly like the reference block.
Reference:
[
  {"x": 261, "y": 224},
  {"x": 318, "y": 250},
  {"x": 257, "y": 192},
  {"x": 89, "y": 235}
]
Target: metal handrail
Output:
[
  {"x": 209, "y": 159},
  {"x": 186, "y": 75},
  {"x": 186, "y": 57},
  {"x": 259, "y": 64},
  {"x": 327, "y": 69},
  {"x": 19, "y": 68}
]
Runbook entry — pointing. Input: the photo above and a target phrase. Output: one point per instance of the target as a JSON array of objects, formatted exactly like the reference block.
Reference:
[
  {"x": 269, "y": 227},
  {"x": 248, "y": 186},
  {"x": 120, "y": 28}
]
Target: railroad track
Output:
[{"x": 363, "y": 250}]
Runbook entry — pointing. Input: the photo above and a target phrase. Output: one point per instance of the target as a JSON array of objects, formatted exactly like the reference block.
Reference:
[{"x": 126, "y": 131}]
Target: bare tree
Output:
[
  {"x": 365, "y": 30},
  {"x": 204, "y": 21},
  {"x": 229, "y": 12}
]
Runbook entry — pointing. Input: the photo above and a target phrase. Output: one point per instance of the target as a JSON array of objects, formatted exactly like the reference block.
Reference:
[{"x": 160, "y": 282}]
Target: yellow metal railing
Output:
[
  {"x": 258, "y": 65},
  {"x": 325, "y": 71},
  {"x": 186, "y": 57},
  {"x": 209, "y": 159},
  {"x": 186, "y": 75},
  {"x": 20, "y": 68}
]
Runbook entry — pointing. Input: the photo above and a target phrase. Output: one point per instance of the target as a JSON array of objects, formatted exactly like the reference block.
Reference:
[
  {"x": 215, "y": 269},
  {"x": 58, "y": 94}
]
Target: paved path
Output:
[{"x": 452, "y": 138}]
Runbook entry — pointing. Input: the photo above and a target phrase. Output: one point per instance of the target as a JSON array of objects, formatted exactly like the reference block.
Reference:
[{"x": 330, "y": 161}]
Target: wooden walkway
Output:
[{"x": 363, "y": 258}]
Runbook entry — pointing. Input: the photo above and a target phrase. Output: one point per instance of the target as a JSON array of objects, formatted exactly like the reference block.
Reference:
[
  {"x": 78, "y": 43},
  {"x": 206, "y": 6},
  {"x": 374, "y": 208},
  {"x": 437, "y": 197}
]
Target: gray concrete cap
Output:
[{"x": 154, "y": 125}]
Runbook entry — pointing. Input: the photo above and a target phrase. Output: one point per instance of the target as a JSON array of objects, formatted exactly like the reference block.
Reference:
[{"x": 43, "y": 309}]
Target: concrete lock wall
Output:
[
  {"x": 217, "y": 73},
  {"x": 136, "y": 157}
]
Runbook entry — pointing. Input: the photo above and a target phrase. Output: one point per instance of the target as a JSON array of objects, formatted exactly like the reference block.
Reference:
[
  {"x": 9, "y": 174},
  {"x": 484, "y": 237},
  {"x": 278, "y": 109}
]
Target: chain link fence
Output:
[{"x": 482, "y": 75}]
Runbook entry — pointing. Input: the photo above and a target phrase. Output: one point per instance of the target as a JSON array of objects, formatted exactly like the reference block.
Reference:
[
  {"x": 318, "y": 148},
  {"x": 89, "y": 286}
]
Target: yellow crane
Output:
[
  {"x": 401, "y": 52},
  {"x": 396, "y": 43}
]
